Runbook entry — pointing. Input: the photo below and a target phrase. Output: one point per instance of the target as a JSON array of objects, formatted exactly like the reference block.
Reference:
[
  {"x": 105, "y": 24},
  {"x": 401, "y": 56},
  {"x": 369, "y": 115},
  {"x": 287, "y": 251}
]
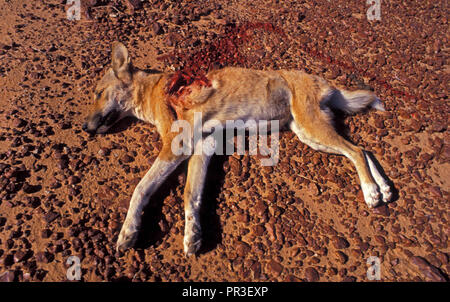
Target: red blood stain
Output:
[
  {"x": 225, "y": 51},
  {"x": 221, "y": 52}
]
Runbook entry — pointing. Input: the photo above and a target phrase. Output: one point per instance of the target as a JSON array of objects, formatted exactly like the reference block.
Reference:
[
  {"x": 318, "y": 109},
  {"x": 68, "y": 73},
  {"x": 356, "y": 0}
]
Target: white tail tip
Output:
[{"x": 378, "y": 105}]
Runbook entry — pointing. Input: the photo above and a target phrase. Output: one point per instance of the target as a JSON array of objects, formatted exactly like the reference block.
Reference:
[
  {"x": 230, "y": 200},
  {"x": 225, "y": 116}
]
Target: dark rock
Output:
[
  {"x": 260, "y": 208},
  {"x": 340, "y": 243},
  {"x": 19, "y": 256},
  {"x": 46, "y": 233},
  {"x": 19, "y": 123},
  {"x": 242, "y": 249},
  {"x": 292, "y": 278},
  {"x": 65, "y": 125},
  {"x": 66, "y": 222},
  {"x": 74, "y": 180},
  {"x": 311, "y": 274},
  {"x": 428, "y": 270},
  {"x": 34, "y": 202},
  {"x": 275, "y": 268},
  {"x": 157, "y": 28},
  {"x": 44, "y": 257},
  {"x": 50, "y": 217},
  {"x": 341, "y": 257},
  {"x": 235, "y": 166},
  {"x": 313, "y": 189},
  {"x": 258, "y": 230},
  {"x": 127, "y": 159},
  {"x": 382, "y": 210},
  {"x": 436, "y": 191},
  {"x": 7, "y": 276},
  {"x": 29, "y": 189},
  {"x": 8, "y": 260},
  {"x": 136, "y": 4},
  {"x": 103, "y": 152}
]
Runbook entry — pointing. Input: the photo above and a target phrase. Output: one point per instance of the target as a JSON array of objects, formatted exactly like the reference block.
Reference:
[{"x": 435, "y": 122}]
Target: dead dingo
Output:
[{"x": 300, "y": 101}]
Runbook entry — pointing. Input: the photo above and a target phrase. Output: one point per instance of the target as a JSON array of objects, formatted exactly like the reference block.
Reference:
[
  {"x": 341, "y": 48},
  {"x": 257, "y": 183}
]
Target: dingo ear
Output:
[{"x": 121, "y": 62}]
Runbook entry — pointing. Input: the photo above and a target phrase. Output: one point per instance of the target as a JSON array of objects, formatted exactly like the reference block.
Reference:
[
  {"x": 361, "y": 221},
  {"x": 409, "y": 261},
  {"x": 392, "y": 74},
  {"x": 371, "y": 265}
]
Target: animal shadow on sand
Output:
[
  {"x": 151, "y": 234},
  {"x": 343, "y": 130}
]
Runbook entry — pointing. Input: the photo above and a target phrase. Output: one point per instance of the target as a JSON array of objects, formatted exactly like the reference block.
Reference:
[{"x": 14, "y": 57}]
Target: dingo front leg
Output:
[
  {"x": 198, "y": 166},
  {"x": 157, "y": 174}
]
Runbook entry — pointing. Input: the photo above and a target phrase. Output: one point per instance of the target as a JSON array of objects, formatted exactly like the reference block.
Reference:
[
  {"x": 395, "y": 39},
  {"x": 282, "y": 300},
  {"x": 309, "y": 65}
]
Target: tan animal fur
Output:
[{"x": 299, "y": 100}]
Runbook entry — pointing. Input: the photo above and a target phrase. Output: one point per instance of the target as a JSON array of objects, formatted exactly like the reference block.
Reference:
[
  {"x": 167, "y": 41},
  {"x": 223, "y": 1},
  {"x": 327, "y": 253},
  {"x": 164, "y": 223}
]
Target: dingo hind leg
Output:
[
  {"x": 331, "y": 142},
  {"x": 382, "y": 183},
  {"x": 313, "y": 127}
]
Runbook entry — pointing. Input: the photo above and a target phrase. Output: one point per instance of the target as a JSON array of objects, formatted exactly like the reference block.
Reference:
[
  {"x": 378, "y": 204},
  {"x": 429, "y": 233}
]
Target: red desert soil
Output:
[{"x": 65, "y": 193}]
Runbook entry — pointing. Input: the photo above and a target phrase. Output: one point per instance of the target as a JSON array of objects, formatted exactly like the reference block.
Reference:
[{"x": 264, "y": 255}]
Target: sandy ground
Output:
[{"x": 65, "y": 193}]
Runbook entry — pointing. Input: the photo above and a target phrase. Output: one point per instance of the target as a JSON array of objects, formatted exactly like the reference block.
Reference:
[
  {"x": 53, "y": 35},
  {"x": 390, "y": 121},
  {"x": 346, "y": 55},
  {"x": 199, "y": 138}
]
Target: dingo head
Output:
[{"x": 113, "y": 94}]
